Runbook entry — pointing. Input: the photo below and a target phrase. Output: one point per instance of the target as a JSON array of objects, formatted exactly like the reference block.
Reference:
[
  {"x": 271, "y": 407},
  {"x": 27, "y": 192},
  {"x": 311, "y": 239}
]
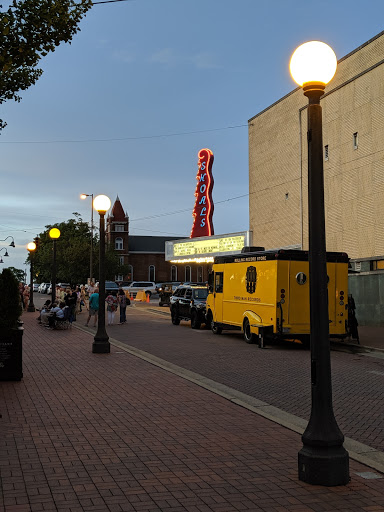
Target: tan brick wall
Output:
[{"x": 354, "y": 178}]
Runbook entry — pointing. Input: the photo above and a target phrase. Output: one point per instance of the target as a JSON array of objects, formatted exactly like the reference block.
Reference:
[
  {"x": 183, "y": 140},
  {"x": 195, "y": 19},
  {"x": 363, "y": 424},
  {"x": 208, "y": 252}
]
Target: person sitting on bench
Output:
[{"x": 57, "y": 313}]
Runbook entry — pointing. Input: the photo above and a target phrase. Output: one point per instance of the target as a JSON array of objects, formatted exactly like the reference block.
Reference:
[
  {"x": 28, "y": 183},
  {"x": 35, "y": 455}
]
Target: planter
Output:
[{"x": 11, "y": 353}]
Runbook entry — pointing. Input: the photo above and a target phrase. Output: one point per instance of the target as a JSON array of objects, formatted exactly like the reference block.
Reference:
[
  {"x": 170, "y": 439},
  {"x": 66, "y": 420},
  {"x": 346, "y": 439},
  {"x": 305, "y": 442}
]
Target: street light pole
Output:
[
  {"x": 322, "y": 460},
  {"x": 54, "y": 233},
  {"x": 101, "y": 344},
  {"x": 31, "y": 248},
  {"x": 84, "y": 196}
]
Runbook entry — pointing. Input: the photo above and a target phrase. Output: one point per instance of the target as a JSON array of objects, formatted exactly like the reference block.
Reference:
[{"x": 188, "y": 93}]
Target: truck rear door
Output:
[{"x": 218, "y": 296}]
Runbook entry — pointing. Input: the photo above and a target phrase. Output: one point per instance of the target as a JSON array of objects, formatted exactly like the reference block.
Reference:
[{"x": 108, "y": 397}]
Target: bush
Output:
[{"x": 10, "y": 306}]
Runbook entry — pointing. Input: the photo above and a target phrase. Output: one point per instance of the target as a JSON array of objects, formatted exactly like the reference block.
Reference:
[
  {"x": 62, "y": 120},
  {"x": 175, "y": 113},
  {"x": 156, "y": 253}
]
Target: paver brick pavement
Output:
[{"x": 111, "y": 432}]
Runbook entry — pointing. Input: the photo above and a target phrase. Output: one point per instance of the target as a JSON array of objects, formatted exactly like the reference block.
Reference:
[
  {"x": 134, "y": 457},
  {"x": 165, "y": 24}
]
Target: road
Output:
[{"x": 278, "y": 375}]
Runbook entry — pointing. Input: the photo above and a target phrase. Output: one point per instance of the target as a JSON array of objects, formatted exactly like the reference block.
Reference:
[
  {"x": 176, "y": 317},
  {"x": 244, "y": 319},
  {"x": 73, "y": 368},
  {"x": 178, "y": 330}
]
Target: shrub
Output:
[{"x": 10, "y": 306}]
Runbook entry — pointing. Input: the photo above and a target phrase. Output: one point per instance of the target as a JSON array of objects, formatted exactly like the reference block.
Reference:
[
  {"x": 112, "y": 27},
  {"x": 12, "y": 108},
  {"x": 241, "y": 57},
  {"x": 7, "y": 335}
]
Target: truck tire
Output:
[
  {"x": 216, "y": 329},
  {"x": 175, "y": 317},
  {"x": 195, "y": 321},
  {"x": 249, "y": 337}
]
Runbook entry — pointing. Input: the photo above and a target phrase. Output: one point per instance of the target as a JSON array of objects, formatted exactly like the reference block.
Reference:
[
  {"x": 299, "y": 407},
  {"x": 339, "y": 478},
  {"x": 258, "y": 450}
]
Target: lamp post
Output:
[
  {"x": 101, "y": 344},
  {"x": 84, "y": 196},
  {"x": 31, "y": 248},
  {"x": 54, "y": 233},
  {"x": 12, "y": 244},
  {"x": 322, "y": 460}
]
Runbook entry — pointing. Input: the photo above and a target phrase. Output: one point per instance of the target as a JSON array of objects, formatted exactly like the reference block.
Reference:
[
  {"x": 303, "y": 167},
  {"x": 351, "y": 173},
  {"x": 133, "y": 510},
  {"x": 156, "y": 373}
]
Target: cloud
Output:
[
  {"x": 125, "y": 56},
  {"x": 166, "y": 57},
  {"x": 205, "y": 60}
]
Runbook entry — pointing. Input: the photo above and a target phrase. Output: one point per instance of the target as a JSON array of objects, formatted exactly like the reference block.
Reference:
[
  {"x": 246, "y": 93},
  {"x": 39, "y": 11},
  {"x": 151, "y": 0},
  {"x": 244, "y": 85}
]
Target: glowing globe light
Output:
[
  {"x": 31, "y": 246},
  {"x": 83, "y": 196},
  {"x": 54, "y": 233},
  {"x": 313, "y": 62},
  {"x": 102, "y": 203}
]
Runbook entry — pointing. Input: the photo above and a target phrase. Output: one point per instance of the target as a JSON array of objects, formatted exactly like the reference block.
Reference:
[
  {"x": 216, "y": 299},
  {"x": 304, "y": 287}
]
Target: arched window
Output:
[
  {"x": 173, "y": 273},
  {"x": 151, "y": 273},
  {"x": 118, "y": 244},
  {"x": 199, "y": 274},
  {"x": 187, "y": 273},
  {"x": 130, "y": 273}
]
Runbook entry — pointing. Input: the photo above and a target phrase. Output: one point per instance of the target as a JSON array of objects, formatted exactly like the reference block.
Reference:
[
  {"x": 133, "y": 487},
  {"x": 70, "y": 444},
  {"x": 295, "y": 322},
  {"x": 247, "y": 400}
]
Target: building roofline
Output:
[{"x": 297, "y": 88}]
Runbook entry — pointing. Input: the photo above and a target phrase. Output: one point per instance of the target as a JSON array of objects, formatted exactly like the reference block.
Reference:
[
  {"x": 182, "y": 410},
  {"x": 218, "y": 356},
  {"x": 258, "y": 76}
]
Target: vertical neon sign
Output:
[{"x": 203, "y": 209}]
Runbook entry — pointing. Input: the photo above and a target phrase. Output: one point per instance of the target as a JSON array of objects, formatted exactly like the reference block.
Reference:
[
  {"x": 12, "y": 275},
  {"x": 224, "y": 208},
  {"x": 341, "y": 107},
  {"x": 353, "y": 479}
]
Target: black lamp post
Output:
[
  {"x": 322, "y": 460},
  {"x": 54, "y": 233},
  {"x": 84, "y": 196},
  {"x": 31, "y": 248},
  {"x": 101, "y": 344}
]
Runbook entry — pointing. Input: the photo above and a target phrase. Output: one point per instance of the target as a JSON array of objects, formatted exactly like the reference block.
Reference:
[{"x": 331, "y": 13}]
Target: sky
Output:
[{"x": 145, "y": 85}]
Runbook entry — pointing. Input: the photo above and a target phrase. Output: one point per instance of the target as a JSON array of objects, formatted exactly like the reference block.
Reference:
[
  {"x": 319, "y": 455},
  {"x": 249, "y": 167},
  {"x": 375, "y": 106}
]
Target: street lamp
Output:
[
  {"x": 322, "y": 460},
  {"x": 12, "y": 244},
  {"x": 6, "y": 252},
  {"x": 101, "y": 344},
  {"x": 31, "y": 248},
  {"x": 84, "y": 196},
  {"x": 54, "y": 233}
]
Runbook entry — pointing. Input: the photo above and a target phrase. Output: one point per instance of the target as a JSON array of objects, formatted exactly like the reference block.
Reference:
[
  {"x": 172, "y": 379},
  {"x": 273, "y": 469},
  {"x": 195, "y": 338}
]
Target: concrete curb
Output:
[{"x": 357, "y": 451}]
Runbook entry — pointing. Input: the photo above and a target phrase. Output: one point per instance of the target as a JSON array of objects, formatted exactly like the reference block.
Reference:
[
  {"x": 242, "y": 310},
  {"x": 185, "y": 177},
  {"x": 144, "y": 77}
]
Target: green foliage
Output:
[
  {"x": 19, "y": 274},
  {"x": 72, "y": 254},
  {"x": 29, "y": 30},
  {"x": 10, "y": 306}
]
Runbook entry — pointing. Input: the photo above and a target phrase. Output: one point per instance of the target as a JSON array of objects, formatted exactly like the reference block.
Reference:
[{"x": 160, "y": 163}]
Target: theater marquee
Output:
[{"x": 204, "y": 249}]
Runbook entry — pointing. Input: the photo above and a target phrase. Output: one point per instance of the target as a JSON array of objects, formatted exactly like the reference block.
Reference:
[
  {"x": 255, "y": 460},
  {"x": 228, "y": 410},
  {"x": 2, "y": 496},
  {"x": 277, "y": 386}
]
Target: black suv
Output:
[{"x": 188, "y": 303}]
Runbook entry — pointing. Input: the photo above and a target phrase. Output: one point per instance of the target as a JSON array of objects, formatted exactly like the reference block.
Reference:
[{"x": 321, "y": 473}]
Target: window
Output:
[
  {"x": 173, "y": 273},
  {"x": 119, "y": 227},
  {"x": 119, "y": 278},
  {"x": 199, "y": 274},
  {"x": 355, "y": 140},
  {"x": 187, "y": 273},
  {"x": 188, "y": 294},
  {"x": 286, "y": 195},
  {"x": 326, "y": 152},
  {"x": 130, "y": 273},
  {"x": 118, "y": 244},
  {"x": 219, "y": 279},
  {"x": 151, "y": 273},
  {"x": 377, "y": 265},
  {"x": 121, "y": 260}
]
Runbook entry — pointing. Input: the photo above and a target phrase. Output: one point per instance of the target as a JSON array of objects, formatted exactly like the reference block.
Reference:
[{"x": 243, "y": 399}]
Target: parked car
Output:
[
  {"x": 36, "y": 287},
  {"x": 63, "y": 286},
  {"x": 49, "y": 289},
  {"x": 44, "y": 287},
  {"x": 111, "y": 287},
  {"x": 165, "y": 291},
  {"x": 149, "y": 287},
  {"x": 188, "y": 303}
]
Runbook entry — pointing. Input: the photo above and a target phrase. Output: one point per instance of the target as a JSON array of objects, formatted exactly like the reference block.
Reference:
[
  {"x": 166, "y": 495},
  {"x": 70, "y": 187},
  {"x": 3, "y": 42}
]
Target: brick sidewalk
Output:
[{"x": 115, "y": 433}]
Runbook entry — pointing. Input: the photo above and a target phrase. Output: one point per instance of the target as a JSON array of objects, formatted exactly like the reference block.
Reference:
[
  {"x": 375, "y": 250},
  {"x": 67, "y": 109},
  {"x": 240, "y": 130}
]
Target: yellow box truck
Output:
[{"x": 265, "y": 294}]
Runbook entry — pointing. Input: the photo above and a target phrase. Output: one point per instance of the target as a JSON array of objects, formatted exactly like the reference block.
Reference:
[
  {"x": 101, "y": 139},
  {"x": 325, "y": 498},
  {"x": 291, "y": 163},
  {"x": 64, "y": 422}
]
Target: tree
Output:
[
  {"x": 72, "y": 254},
  {"x": 29, "y": 30},
  {"x": 19, "y": 274}
]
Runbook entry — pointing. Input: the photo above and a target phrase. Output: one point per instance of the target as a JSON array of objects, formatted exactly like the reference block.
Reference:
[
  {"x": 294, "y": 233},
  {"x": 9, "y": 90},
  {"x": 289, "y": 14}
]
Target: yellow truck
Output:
[{"x": 265, "y": 294}]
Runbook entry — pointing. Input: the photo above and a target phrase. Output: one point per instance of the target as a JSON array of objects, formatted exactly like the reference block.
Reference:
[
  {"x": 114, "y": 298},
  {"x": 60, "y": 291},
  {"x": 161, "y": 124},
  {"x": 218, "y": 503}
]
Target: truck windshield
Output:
[{"x": 200, "y": 294}]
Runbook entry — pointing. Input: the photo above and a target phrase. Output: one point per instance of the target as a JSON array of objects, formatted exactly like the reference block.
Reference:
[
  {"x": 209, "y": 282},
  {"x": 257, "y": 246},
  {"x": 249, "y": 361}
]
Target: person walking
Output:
[
  {"x": 93, "y": 307},
  {"x": 70, "y": 300},
  {"x": 111, "y": 302},
  {"x": 123, "y": 303}
]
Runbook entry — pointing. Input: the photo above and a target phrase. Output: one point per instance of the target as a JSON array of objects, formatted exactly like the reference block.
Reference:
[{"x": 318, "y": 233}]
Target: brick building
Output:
[
  {"x": 145, "y": 255},
  {"x": 353, "y": 138}
]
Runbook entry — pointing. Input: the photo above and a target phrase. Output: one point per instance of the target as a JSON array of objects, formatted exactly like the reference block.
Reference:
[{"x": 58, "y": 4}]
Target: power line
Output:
[
  {"x": 120, "y": 139},
  {"x": 111, "y": 1}
]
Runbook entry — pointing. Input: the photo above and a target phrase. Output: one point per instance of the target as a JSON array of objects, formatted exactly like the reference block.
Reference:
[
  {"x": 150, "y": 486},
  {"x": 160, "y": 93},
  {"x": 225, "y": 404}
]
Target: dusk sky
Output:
[{"x": 126, "y": 107}]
